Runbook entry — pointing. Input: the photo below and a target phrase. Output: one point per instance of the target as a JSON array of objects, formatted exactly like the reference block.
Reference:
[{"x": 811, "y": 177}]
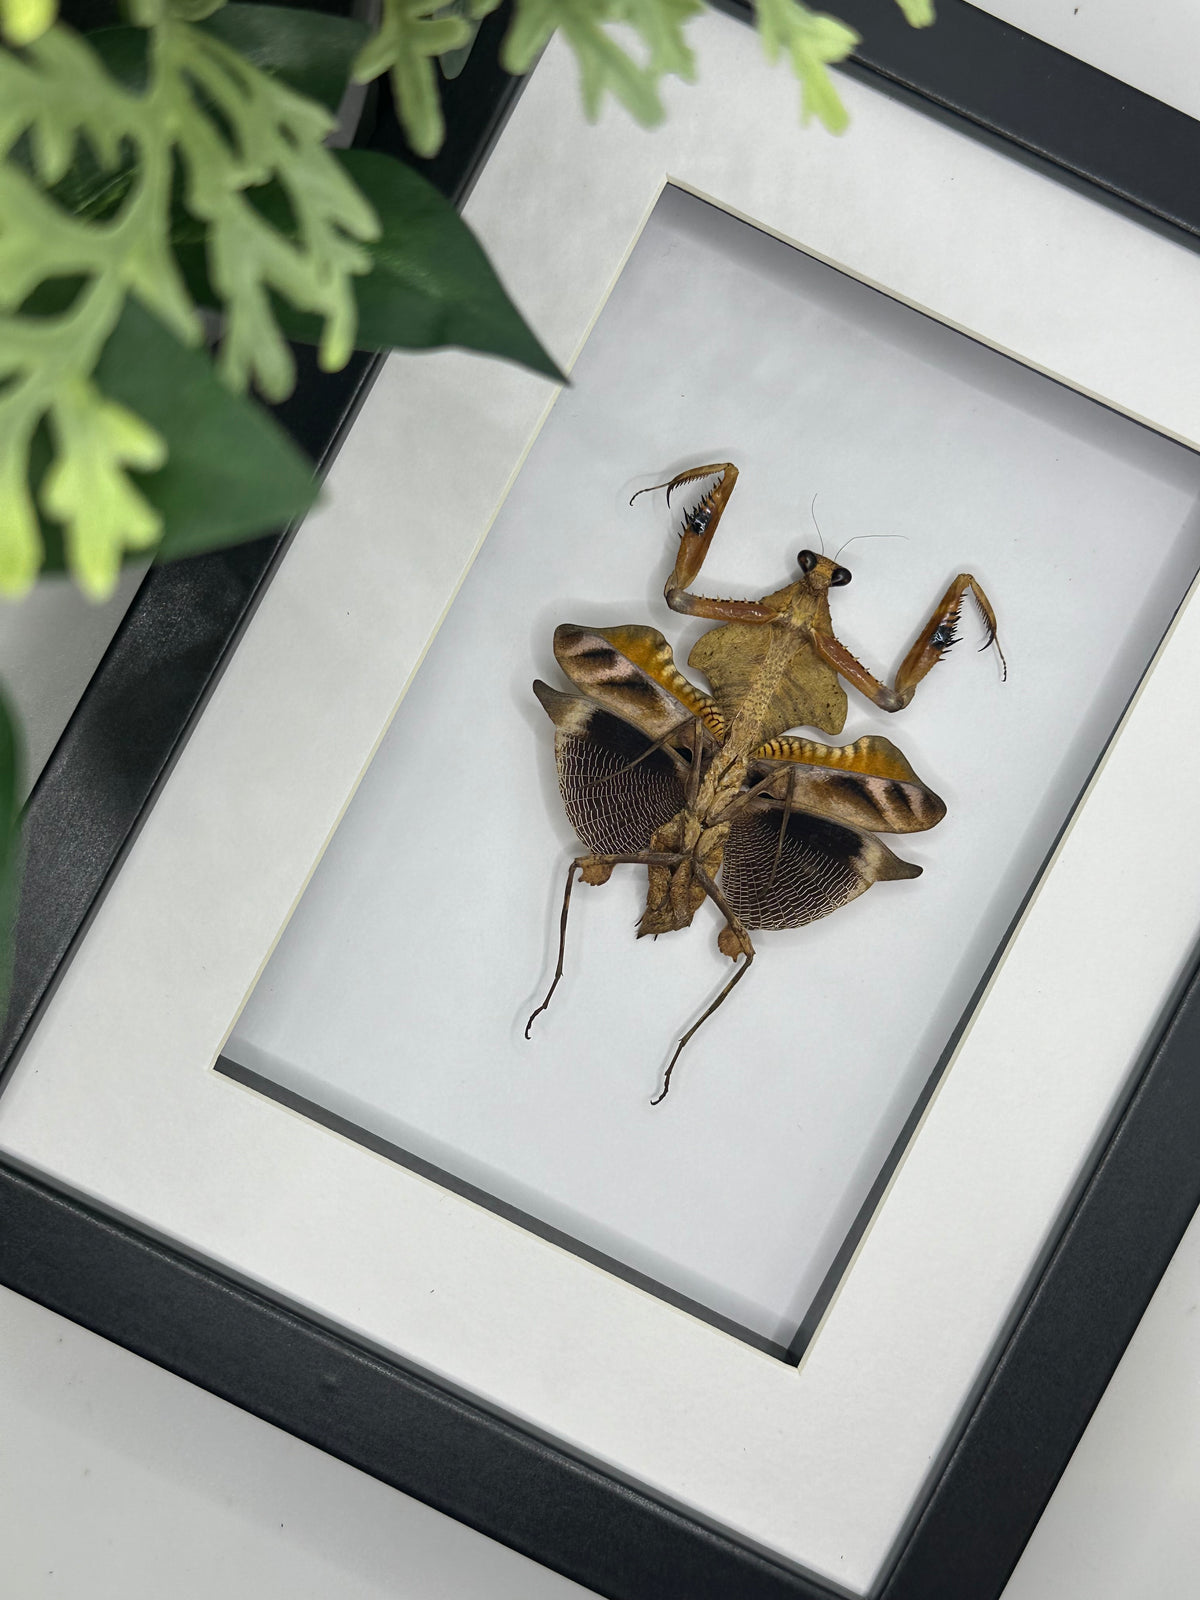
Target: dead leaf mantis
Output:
[{"x": 710, "y": 792}]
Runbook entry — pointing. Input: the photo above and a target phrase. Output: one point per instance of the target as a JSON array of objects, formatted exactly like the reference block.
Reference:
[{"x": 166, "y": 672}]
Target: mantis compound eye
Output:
[
  {"x": 837, "y": 577},
  {"x": 807, "y": 560}
]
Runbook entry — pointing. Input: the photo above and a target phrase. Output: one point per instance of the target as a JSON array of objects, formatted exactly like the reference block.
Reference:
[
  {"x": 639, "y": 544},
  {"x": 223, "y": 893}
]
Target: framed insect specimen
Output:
[
  {"x": 610, "y": 1429},
  {"x": 656, "y": 773}
]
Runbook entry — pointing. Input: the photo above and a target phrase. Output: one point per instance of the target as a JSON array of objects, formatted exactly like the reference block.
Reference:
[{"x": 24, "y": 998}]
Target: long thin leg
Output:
[
  {"x": 699, "y": 526},
  {"x": 935, "y": 638},
  {"x": 696, "y": 773},
  {"x": 724, "y": 995},
  {"x": 562, "y": 946},
  {"x": 739, "y": 930},
  {"x": 783, "y": 823},
  {"x": 648, "y": 858},
  {"x": 684, "y": 768},
  {"x": 741, "y": 800}
]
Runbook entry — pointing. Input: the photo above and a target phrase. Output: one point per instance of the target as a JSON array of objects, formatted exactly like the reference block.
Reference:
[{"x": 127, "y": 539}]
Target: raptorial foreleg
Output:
[
  {"x": 699, "y": 526},
  {"x": 934, "y": 639}
]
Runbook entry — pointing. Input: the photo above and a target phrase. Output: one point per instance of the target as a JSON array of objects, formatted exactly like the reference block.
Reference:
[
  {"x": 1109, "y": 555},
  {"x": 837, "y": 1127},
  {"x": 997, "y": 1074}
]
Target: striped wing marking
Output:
[
  {"x": 868, "y": 784},
  {"x": 617, "y": 787},
  {"x": 630, "y": 670}
]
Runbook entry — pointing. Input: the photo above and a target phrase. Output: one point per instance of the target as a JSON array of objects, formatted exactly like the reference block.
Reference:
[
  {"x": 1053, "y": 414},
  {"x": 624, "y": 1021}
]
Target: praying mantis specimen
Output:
[{"x": 701, "y": 787}]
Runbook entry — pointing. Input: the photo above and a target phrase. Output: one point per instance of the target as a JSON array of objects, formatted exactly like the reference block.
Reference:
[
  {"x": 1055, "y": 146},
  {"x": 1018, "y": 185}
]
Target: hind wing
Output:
[
  {"x": 618, "y": 785},
  {"x": 784, "y": 870}
]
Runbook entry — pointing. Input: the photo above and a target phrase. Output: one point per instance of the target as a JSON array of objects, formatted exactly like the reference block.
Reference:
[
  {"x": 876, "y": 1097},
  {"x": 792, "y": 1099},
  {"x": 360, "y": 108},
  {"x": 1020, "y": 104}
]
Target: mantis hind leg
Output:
[
  {"x": 595, "y": 870},
  {"x": 734, "y": 941}
]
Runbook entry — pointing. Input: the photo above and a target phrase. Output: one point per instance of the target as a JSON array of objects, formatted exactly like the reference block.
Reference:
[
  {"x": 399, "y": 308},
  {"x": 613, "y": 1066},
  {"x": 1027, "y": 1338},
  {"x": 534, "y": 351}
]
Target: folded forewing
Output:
[
  {"x": 631, "y": 671},
  {"x": 618, "y": 786},
  {"x": 867, "y": 784},
  {"x": 783, "y": 870}
]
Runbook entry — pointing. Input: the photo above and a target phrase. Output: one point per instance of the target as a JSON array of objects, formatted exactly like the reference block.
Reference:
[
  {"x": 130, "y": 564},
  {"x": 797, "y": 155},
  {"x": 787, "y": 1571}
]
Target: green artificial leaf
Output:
[
  {"x": 98, "y": 150},
  {"x": 10, "y": 843},
  {"x": 660, "y": 23},
  {"x": 451, "y": 62},
  {"x": 917, "y": 13},
  {"x": 230, "y": 471},
  {"x": 811, "y": 40},
  {"x": 412, "y": 33},
  {"x": 602, "y": 63},
  {"x": 247, "y": 257},
  {"x": 193, "y": 10},
  {"x": 88, "y": 488},
  {"x": 23, "y": 21},
  {"x": 430, "y": 283},
  {"x": 311, "y": 52}
]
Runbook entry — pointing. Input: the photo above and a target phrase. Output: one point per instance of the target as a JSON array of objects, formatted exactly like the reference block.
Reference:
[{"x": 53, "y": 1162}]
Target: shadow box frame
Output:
[{"x": 126, "y": 1277}]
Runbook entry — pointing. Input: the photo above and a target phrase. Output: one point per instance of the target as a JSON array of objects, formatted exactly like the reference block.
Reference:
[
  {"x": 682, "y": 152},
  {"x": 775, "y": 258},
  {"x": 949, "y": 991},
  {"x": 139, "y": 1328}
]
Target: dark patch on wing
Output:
[
  {"x": 848, "y": 785},
  {"x": 860, "y": 800},
  {"x": 617, "y": 788},
  {"x": 898, "y": 796},
  {"x": 815, "y": 873},
  {"x": 638, "y": 689}
]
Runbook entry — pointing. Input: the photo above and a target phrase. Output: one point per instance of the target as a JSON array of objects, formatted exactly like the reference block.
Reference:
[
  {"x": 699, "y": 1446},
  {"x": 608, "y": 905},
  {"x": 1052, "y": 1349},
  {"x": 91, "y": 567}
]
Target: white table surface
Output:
[{"x": 119, "y": 1481}]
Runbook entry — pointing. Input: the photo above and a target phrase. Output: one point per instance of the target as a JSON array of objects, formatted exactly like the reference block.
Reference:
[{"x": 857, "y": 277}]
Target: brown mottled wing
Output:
[
  {"x": 630, "y": 670},
  {"x": 867, "y": 784},
  {"x": 617, "y": 786},
  {"x": 815, "y": 867}
]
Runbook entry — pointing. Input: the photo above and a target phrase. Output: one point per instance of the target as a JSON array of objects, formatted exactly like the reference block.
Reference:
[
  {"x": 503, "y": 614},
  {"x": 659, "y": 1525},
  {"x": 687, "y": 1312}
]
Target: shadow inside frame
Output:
[
  {"x": 469, "y": 1191},
  {"x": 450, "y": 1453}
]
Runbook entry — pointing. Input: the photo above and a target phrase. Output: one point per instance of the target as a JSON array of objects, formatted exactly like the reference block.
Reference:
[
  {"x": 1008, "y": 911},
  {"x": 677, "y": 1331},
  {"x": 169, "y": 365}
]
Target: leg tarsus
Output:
[
  {"x": 738, "y": 929},
  {"x": 724, "y": 994},
  {"x": 600, "y": 868},
  {"x": 562, "y": 945}
]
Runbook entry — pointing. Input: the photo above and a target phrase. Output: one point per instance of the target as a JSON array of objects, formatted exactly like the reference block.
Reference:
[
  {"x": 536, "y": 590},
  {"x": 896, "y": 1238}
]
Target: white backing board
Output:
[{"x": 398, "y": 993}]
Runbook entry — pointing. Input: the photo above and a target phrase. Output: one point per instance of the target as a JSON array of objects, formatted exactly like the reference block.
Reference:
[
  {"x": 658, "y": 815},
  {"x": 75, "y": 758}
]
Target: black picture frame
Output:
[{"x": 396, "y": 1424}]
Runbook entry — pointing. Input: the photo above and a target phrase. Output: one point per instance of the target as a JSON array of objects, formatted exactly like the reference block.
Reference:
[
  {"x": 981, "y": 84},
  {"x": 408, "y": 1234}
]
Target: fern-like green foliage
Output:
[
  {"x": 23, "y": 21},
  {"x": 407, "y": 45},
  {"x": 414, "y": 32},
  {"x": 232, "y": 129},
  {"x": 202, "y": 130},
  {"x": 10, "y": 841},
  {"x": 811, "y": 41},
  {"x": 603, "y": 63}
]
